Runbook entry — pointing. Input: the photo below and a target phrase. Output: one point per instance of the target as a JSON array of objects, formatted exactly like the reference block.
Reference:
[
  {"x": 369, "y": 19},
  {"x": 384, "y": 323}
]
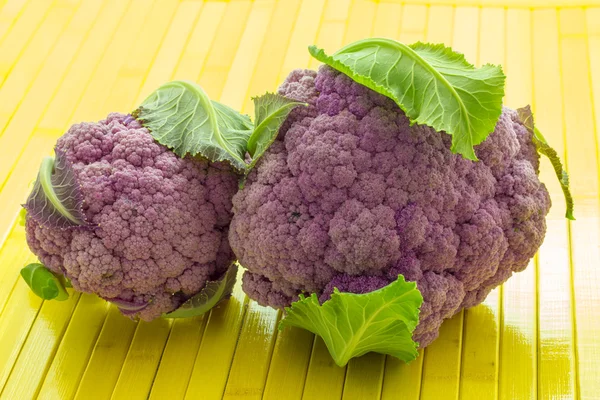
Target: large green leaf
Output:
[
  {"x": 354, "y": 324},
  {"x": 270, "y": 110},
  {"x": 526, "y": 117},
  {"x": 208, "y": 297},
  {"x": 432, "y": 84},
  {"x": 56, "y": 200},
  {"x": 44, "y": 283},
  {"x": 181, "y": 116}
]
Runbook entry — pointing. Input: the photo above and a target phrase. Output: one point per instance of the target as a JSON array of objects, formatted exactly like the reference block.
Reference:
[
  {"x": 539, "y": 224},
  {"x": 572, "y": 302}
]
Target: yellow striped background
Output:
[{"x": 64, "y": 61}]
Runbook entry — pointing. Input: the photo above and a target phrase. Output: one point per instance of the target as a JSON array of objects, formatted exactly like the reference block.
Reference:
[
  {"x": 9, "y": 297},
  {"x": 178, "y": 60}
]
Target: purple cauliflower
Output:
[
  {"x": 350, "y": 195},
  {"x": 159, "y": 223}
]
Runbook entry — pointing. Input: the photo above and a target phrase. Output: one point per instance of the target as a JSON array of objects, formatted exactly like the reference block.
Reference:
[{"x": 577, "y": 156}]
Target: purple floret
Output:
[
  {"x": 350, "y": 195},
  {"x": 161, "y": 222}
]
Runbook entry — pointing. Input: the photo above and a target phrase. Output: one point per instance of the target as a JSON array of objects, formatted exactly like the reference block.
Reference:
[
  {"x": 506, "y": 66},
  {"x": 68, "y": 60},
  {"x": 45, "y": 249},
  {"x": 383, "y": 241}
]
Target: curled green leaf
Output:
[
  {"x": 351, "y": 324},
  {"x": 270, "y": 110},
  {"x": 44, "y": 282},
  {"x": 56, "y": 200},
  {"x": 432, "y": 84},
  {"x": 526, "y": 117},
  {"x": 212, "y": 293},
  {"x": 181, "y": 116}
]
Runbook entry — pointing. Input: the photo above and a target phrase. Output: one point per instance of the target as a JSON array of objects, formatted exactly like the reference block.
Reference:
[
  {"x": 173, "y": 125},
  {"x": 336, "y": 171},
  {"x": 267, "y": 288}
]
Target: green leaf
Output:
[
  {"x": 209, "y": 296},
  {"x": 56, "y": 200},
  {"x": 44, "y": 282},
  {"x": 526, "y": 117},
  {"x": 22, "y": 218},
  {"x": 181, "y": 116},
  {"x": 354, "y": 324},
  {"x": 432, "y": 84},
  {"x": 270, "y": 110}
]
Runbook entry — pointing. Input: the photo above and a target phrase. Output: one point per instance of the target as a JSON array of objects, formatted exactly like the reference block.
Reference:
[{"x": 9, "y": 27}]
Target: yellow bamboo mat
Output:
[{"x": 67, "y": 61}]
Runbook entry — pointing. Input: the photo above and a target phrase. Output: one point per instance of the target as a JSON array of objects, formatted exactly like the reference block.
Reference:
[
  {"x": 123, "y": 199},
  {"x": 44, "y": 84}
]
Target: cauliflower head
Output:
[
  {"x": 158, "y": 223},
  {"x": 350, "y": 195}
]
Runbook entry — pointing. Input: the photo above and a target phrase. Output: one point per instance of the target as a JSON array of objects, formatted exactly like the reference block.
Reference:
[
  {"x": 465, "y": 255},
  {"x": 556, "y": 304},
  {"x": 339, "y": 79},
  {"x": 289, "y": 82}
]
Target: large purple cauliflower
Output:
[
  {"x": 350, "y": 195},
  {"x": 159, "y": 223}
]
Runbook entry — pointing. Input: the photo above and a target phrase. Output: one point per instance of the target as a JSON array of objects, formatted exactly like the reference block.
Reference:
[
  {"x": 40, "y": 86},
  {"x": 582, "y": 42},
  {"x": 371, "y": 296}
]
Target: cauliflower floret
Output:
[
  {"x": 351, "y": 195},
  {"x": 160, "y": 222}
]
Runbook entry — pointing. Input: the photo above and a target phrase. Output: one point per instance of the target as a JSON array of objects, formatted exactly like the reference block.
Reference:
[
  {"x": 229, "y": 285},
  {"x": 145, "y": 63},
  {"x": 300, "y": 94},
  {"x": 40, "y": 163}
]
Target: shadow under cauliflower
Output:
[
  {"x": 159, "y": 223},
  {"x": 350, "y": 195}
]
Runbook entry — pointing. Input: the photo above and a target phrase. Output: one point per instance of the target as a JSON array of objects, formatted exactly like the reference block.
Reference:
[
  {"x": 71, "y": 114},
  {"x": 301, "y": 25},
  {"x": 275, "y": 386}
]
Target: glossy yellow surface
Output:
[{"x": 64, "y": 61}]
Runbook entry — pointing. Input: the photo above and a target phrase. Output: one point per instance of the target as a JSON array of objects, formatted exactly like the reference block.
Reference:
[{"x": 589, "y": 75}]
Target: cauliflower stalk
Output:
[
  {"x": 121, "y": 215},
  {"x": 363, "y": 204}
]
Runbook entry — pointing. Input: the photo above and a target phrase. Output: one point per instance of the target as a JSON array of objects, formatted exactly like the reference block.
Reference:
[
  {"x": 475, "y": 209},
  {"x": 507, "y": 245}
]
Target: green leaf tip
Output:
[
  {"x": 180, "y": 116},
  {"x": 44, "y": 282},
  {"x": 22, "y": 218},
  {"x": 432, "y": 84},
  {"x": 526, "y": 117},
  {"x": 352, "y": 324},
  {"x": 211, "y": 295}
]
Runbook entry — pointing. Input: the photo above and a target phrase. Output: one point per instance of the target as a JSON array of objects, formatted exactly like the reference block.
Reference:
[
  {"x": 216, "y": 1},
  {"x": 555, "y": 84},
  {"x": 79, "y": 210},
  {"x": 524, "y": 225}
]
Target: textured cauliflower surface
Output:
[
  {"x": 350, "y": 195},
  {"x": 160, "y": 222}
]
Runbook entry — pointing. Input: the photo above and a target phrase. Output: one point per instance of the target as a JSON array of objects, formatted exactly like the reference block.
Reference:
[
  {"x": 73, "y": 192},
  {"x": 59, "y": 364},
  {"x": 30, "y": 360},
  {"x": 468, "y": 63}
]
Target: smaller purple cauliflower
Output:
[{"x": 157, "y": 224}]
